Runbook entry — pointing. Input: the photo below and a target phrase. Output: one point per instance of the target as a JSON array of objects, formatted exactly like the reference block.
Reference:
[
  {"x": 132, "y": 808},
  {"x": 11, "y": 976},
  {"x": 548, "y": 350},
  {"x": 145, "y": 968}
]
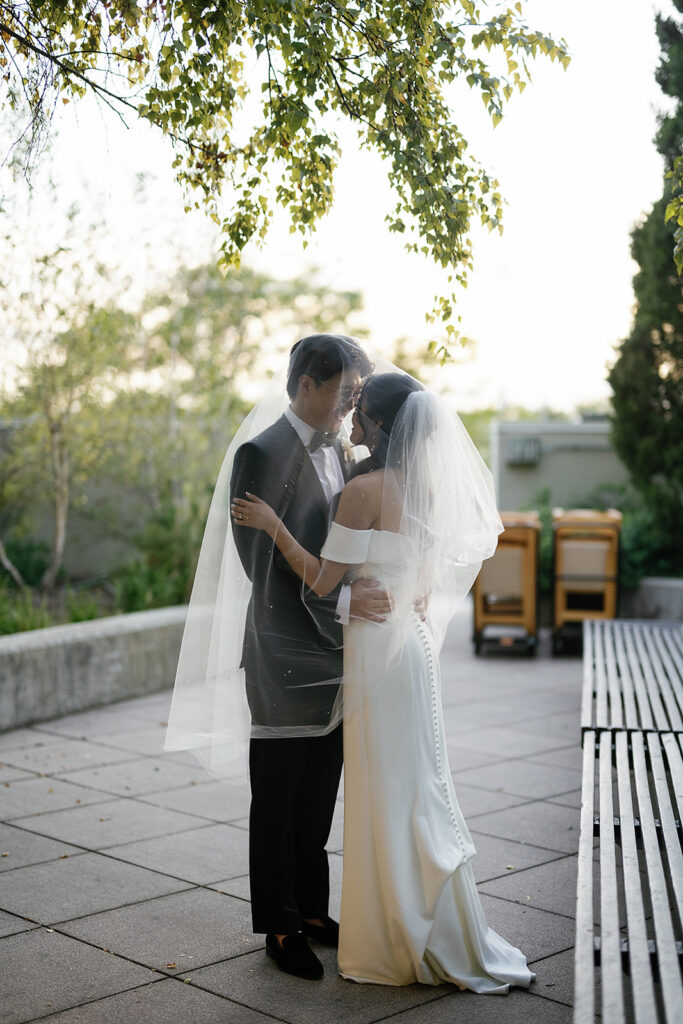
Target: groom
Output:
[{"x": 292, "y": 640}]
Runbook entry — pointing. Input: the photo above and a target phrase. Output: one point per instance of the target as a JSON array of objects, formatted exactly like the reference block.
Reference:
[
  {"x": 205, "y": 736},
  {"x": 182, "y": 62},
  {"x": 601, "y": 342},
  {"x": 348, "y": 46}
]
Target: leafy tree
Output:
[
  {"x": 58, "y": 438},
  {"x": 122, "y": 417},
  {"x": 201, "y": 341},
  {"x": 251, "y": 93},
  {"x": 647, "y": 376}
]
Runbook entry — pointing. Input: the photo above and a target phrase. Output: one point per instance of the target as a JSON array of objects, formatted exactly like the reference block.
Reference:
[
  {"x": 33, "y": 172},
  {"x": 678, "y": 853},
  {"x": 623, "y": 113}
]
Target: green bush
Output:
[
  {"x": 21, "y": 610},
  {"x": 81, "y": 607},
  {"x": 29, "y": 556},
  {"x": 163, "y": 575}
]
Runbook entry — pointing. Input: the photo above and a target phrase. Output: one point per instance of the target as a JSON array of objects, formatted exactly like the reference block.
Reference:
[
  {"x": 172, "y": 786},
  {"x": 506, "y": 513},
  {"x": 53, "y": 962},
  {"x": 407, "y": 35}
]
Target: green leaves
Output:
[{"x": 385, "y": 66}]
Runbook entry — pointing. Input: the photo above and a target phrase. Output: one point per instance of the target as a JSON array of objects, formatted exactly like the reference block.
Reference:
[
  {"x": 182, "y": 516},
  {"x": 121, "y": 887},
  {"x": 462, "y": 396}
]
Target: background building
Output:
[{"x": 569, "y": 459}]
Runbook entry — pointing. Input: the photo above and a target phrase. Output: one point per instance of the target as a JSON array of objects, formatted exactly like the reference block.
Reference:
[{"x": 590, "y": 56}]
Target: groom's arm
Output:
[{"x": 253, "y": 471}]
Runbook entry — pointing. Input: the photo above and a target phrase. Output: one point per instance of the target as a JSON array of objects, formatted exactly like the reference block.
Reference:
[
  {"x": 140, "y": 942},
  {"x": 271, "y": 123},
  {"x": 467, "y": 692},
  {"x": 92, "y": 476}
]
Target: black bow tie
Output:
[{"x": 319, "y": 439}]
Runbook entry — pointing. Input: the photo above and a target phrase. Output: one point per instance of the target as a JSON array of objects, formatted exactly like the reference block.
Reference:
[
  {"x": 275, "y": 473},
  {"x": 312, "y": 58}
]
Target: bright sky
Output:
[{"x": 546, "y": 303}]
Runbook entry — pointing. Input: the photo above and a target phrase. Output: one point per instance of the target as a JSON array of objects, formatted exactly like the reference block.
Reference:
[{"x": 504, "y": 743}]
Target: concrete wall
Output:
[
  {"x": 657, "y": 597},
  {"x": 45, "y": 673},
  {"x": 569, "y": 458}
]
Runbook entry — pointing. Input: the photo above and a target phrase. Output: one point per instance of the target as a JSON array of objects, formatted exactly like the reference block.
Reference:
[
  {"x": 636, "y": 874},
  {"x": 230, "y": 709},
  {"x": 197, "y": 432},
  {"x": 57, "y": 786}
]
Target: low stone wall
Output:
[
  {"x": 657, "y": 597},
  {"x": 45, "y": 673}
]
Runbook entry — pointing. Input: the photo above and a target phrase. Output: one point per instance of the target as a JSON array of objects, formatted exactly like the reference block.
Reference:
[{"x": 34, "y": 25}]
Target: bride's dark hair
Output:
[{"x": 380, "y": 401}]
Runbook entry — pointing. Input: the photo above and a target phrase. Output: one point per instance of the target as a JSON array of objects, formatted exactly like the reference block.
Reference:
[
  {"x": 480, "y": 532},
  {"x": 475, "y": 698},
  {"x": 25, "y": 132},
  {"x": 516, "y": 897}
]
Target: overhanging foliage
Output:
[{"x": 251, "y": 93}]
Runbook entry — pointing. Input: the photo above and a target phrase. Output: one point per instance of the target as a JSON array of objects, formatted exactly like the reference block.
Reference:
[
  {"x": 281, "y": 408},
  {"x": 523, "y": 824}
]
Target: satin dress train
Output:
[{"x": 410, "y": 909}]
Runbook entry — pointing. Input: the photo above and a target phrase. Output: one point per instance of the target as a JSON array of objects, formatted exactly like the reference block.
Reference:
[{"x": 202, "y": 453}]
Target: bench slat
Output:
[
  {"x": 610, "y": 936},
  {"x": 644, "y": 711},
  {"x": 601, "y": 708},
  {"x": 584, "y": 998},
  {"x": 644, "y": 1004},
  {"x": 673, "y": 810},
  {"x": 626, "y": 680},
  {"x": 613, "y": 681},
  {"x": 588, "y": 692},
  {"x": 667, "y": 677},
  {"x": 653, "y": 692},
  {"x": 669, "y": 971}
]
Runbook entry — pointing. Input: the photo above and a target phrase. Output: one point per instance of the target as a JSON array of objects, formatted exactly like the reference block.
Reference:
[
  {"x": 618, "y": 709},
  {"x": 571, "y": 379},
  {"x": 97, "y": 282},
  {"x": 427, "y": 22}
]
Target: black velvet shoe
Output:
[
  {"x": 327, "y": 935},
  {"x": 294, "y": 956}
]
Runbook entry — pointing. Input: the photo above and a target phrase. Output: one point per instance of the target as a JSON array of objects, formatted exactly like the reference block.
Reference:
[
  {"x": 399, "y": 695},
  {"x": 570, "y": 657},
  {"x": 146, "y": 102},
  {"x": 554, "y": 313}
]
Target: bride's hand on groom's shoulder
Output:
[
  {"x": 254, "y": 512},
  {"x": 368, "y": 601}
]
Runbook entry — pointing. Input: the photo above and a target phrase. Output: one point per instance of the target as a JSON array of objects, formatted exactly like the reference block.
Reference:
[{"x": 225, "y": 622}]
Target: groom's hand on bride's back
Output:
[{"x": 368, "y": 601}]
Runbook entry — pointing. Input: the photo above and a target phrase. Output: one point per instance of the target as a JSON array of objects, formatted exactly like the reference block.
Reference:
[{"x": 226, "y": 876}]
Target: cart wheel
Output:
[
  {"x": 477, "y": 647},
  {"x": 531, "y": 650},
  {"x": 558, "y": 645}
]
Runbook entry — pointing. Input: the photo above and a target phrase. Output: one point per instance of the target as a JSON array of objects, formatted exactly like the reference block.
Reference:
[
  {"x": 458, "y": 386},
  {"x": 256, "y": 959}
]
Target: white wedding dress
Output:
[{"x": 410, "y": 909}]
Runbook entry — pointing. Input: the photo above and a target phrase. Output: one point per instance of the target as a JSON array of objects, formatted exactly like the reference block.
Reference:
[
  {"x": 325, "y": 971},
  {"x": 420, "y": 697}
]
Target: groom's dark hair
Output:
[{"x": 323, "y": 356}]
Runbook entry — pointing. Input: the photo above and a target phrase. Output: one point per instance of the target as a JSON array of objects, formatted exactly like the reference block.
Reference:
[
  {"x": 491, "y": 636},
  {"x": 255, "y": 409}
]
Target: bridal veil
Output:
[{"x": 449, "y": 524}]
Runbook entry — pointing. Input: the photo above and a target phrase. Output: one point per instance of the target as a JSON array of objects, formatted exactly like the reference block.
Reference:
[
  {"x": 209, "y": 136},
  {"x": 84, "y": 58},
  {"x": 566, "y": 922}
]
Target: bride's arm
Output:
[{"x": 322, "y": 576}]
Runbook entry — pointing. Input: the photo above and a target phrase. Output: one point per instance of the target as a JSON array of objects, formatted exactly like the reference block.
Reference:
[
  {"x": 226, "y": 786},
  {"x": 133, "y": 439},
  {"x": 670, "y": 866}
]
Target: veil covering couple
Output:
[{"x": 330, "y": 568}]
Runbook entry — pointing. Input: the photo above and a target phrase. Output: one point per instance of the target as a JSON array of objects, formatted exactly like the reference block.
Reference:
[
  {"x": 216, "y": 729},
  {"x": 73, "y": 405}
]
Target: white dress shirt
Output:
[{"x": 326, "y": 464}]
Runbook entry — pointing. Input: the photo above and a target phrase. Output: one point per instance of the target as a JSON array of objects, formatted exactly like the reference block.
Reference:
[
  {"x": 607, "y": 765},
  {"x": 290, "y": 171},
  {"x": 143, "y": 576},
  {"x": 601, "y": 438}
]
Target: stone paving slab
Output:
[
  {"x": 238, "y": 887},
  {"x": 9, "y": 774},
  {"x": 565, "y": 757},
  {"x": 81, "y": 885},
  {"x": 44, "y": 972},
  {"x": 514, "y": 744},
  {"x": 256, "y": 982},
  {"x": 539, "y": 823},
  {"x": 571, "y": 799},
  {"x": 63, "y": 755},
  {"x": 168, "y": 1001},
  {"x": 547, "y": 886},
  {"x": 213, "y": 801},
  {"x": 474, "y": 800},
  {"x": 555, "y": 977},
  {"x": 43, "y": 797},
  {"x": 153, "y": 706},
  {"x": 464, "y": 718},
  {"x": 538, "y": 933},
  {"x": 521, "y": 778},
  {"x": 20, "y": 848},
  {"x": 201, "y": 856},
  {"x": 498, "y": 857},
  {"x": 461, "y": 757},
  {"x": 190, "y": 928},
  {"x": 12, "y": 924},
  {"x": 468, "y": 1008},
  {"x": 136, "y": 778},
  {"x": 511, "y": 742},
  {"x": 109, "y": 823},
  {"x": 561, "y": 724},
  {"x": 27, "y": 737},
  {"x": 147, "y": 740},
  {"x": 96, "y": 724}
]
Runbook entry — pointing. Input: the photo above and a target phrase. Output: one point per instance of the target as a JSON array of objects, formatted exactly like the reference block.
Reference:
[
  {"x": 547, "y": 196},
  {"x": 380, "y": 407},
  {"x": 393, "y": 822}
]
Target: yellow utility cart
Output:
[
  {"x": 586, "y": 550},
  {"x": 505, "y": 591}
]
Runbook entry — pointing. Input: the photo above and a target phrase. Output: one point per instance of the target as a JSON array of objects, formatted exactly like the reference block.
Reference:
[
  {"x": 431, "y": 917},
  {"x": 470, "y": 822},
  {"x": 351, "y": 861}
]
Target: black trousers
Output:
[{"x": 294, "y": 785}]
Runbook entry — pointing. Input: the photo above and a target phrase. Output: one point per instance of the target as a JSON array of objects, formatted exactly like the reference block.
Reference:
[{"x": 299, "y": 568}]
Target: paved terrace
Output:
[{"x": 124, "y": 888}]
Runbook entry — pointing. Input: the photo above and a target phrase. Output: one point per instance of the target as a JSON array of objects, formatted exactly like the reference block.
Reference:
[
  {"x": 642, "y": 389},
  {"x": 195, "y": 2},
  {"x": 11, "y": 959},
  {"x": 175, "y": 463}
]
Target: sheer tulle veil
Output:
[{"x": 449, "y": 524}]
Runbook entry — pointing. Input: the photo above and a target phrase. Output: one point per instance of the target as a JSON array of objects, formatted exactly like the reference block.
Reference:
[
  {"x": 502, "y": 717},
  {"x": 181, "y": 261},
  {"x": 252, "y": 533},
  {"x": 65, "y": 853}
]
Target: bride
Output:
[{"x": 418, "y": 515}]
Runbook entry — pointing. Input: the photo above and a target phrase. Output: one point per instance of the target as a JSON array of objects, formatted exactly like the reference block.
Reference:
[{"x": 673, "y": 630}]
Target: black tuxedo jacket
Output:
[{"x": 291, "y": 637}]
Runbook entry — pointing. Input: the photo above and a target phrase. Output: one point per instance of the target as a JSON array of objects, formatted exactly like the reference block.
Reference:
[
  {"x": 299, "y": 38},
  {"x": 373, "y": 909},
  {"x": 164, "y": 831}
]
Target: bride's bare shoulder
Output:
[{"x": 360, "y": 501}]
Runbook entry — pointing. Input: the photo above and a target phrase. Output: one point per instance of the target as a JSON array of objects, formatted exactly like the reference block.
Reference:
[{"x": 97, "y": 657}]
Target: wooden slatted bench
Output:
[
  {"x": 632, "y": 676},
  {"x": 629, "y": 913}
]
